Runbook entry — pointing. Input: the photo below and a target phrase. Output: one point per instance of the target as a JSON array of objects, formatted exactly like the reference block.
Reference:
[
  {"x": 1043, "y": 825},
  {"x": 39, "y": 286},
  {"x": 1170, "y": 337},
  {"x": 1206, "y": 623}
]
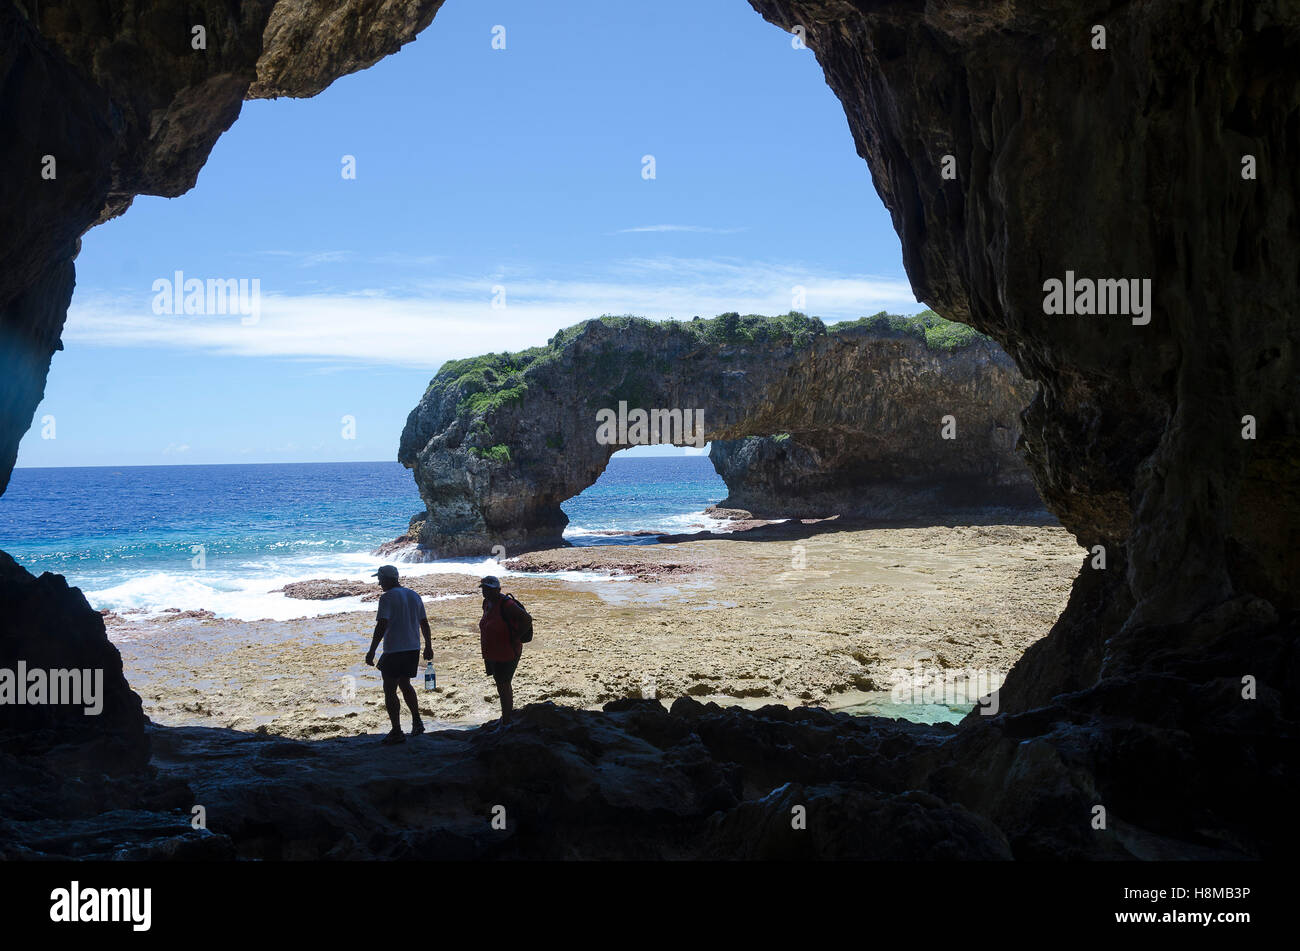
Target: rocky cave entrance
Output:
[{"x": 1135, "y": 438}]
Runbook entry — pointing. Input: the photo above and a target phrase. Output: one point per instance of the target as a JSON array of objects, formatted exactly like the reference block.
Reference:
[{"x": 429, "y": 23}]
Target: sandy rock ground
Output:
[{"x": 823, "y": 614}]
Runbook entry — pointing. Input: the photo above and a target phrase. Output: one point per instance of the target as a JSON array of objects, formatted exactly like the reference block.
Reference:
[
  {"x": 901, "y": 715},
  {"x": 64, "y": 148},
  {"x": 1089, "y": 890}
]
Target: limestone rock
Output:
[{"x": 498, "y": 442}]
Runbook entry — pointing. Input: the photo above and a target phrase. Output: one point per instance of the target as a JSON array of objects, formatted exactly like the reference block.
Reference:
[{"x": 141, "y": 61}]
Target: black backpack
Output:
[{"x": 524, "y": 633}]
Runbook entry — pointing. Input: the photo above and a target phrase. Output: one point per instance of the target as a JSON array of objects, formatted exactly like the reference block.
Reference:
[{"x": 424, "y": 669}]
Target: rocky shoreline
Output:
[
  {"x": 790, "y": 613},
  {"x": 662, "y": 709}
]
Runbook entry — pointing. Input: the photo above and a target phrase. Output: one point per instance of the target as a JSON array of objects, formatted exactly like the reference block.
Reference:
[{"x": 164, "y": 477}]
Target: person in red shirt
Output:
[{"x": 501, "y": 648}]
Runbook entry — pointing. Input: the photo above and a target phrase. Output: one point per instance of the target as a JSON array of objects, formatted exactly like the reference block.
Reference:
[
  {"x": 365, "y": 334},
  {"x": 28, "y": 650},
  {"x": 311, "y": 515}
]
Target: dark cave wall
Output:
[{"x": 1117, "y": 163}]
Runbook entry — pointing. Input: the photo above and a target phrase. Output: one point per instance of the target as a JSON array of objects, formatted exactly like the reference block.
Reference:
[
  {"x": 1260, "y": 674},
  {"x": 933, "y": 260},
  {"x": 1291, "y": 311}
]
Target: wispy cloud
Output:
[
  {"x": 425, "y": 323},
  {"x": 399, "y": 259},
  {"x": 315, "y": 258},
  {"x": 700, "y": 229},
  {"x": 309, "y": 258}
]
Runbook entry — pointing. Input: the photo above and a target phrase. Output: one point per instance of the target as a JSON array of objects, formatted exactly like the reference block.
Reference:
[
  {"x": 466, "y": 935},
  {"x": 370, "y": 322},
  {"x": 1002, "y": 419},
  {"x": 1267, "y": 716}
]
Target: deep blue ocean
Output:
[{"x": 222, "y": 537}]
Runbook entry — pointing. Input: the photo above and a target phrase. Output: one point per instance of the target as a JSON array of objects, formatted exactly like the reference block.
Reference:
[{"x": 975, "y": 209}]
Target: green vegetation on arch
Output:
[
  {"x": 498, "y": 453},
  {"x": 483, "y": 384},
  {"x": 792, "y": 328},
  {"x": 487, "y": 382}
]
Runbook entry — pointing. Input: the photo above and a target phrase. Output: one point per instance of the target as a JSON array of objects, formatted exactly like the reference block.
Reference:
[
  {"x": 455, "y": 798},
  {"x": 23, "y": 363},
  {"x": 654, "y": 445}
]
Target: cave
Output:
[{"x": 1167, "y": 690}]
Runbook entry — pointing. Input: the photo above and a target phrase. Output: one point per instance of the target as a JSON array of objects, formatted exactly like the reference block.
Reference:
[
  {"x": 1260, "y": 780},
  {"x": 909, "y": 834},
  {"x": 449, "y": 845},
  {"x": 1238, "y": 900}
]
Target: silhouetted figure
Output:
[
  {"x": 400, "y": 620},
  {"x": 502, "y": 647}
]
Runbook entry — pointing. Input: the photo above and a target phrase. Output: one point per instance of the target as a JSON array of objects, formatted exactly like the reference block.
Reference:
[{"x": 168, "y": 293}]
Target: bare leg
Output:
[
  {"x": 393, "y": 704},
  {"x": 507, "y": 693},
  {"x": 413, "y": 702}
]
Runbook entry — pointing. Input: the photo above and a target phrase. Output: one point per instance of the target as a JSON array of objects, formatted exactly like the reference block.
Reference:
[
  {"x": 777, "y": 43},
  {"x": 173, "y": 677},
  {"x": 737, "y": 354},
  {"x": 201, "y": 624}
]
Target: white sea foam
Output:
[
  {"x": 248, "y": 599},
  {"x": 667, "y": 525},
  {"x": 249, "y": 590}
]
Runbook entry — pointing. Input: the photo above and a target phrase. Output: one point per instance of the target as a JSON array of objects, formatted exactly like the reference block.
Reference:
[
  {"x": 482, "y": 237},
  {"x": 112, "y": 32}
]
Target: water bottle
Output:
[{"x": 430, "y": 678}]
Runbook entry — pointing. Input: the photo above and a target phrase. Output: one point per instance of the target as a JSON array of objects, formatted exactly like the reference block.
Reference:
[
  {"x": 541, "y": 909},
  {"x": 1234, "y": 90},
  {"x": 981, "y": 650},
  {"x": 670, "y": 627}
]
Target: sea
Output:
[{"x": 224, "y": 537}]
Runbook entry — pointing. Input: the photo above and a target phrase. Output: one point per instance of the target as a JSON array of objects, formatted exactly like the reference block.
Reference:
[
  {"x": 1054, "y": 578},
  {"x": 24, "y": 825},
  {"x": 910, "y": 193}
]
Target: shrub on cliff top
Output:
[
  {"x": 886, "y": 325},
  {"x": 937, "y": 332},
  {"x": 949, "y": 335},
  {"x": 796, "y": 328},
  {"x": 485, "y": 383}
]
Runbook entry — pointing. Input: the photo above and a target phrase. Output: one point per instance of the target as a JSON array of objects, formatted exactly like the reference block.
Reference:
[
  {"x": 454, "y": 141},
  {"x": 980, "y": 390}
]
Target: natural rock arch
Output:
[{"x": 498, "y": 442}]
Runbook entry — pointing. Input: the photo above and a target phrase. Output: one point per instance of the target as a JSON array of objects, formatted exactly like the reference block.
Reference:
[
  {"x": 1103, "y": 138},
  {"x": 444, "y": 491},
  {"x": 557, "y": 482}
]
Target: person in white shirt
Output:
[{"x": 400, "y": 620}]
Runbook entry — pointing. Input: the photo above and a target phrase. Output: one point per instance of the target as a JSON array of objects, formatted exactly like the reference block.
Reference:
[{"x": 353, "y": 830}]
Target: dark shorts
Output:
[
  {"x": 501, "y": 668},
  {"x": 401, "y": 664}
]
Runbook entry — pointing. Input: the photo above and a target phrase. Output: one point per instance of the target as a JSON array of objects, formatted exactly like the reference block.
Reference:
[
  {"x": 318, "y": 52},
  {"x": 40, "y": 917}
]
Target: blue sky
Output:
[{"x": 475, "y": 169}]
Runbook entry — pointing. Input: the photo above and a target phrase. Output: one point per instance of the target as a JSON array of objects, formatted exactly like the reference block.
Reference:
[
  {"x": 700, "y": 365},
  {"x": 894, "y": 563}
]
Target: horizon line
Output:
[
  {"x": 182, "y": 465},
  {"x": 314, "y": 462}
]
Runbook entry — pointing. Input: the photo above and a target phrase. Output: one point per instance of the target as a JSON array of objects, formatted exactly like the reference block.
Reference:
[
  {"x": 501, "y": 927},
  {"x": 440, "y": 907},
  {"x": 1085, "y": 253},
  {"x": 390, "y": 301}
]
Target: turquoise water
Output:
[
  {"x": 665, "y": 494},
  {"x": 882, "y": 704},
  {"x": 223, "y": 537}
]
